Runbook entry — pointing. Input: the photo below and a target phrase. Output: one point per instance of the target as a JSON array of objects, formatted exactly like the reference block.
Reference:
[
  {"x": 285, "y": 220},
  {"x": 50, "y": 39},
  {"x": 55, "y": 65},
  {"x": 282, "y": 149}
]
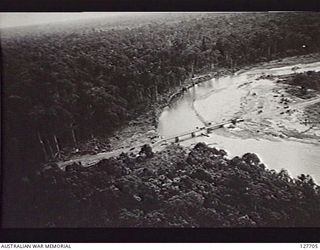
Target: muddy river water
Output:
[{"x": 267, "y": 122}]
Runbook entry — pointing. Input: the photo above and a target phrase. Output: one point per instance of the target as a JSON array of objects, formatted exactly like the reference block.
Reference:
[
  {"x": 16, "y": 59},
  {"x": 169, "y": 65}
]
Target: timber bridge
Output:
[
  {"x": 201, "y": 131},
  {"x": 88, "y": 160}
]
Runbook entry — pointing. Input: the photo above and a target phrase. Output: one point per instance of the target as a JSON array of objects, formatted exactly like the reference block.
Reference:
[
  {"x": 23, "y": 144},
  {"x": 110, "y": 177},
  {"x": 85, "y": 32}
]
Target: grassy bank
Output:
[{"x": 305, "y": 86}]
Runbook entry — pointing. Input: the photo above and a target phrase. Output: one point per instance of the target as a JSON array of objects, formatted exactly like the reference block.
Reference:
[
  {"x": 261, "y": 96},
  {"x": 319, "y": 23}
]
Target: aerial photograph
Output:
[{"x": 160, "y": 119}]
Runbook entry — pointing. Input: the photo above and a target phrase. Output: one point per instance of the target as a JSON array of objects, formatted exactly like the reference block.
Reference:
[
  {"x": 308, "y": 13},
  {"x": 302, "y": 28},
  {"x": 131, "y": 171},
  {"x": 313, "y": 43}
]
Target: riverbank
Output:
[
  {"x": 143, "y": 129},
  {"x": 289, "y": 108},
  {"x": 146, "y": 124},
  {"x": 283, "y": 62},
  {"x": 273, "y": 125}
]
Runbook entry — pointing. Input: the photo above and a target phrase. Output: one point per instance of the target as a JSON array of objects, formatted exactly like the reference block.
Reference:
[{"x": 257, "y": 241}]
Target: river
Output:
[{"x": 267, "y": 121}]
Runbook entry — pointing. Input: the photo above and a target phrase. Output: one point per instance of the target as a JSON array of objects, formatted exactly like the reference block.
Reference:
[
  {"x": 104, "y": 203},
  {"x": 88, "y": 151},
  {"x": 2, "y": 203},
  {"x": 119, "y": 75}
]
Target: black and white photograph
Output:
[{"x": 160, "y": 119}]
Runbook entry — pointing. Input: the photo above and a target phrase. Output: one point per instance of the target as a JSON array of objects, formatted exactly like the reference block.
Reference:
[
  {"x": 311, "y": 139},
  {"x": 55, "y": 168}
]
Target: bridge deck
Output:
[
  {"x": 213, "y": 126},
  {"x": 90, "y": 160}
]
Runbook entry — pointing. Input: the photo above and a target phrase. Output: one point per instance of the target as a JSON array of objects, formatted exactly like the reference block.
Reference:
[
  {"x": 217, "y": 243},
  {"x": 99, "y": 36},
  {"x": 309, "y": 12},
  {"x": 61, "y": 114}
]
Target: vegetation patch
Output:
[
  {"x": 305, "y": 85},
  {"x": 171, "y": 188}
]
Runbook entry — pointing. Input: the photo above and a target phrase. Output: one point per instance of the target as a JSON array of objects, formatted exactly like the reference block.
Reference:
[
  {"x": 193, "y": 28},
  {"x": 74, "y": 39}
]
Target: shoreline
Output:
[{"x": 143, "y": 128}]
